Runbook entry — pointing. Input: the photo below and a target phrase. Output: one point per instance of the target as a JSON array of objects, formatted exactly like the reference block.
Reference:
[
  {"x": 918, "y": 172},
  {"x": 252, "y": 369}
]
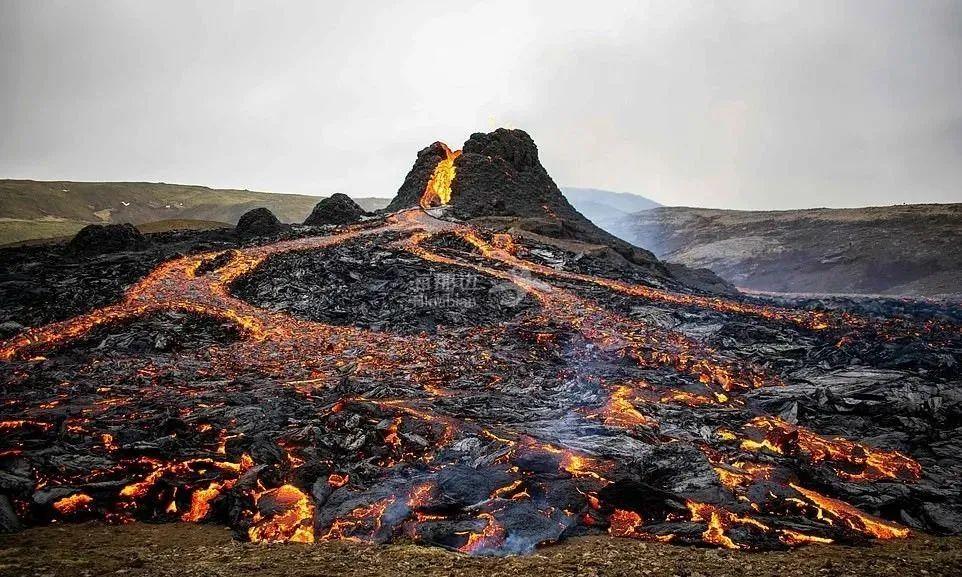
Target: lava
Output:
[
  {"x": 73, "y": 503},
  {"x": 411, "y": 409},
  {"x": 288, "y": 516},
  {"x": 866, "y": 463},
  {"x": 438, "y": 189},
  {"x": 490, "y": 537},
  {"x": 835, "y": 510}
]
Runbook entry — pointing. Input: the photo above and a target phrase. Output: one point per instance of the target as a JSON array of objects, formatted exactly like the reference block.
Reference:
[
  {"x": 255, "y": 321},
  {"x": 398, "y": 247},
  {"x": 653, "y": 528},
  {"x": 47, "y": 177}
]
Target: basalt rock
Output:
[
  {"x": 336, "y": 209},
  {"x": 104, "y": 238},
  {"x": 258, "y": 222}
]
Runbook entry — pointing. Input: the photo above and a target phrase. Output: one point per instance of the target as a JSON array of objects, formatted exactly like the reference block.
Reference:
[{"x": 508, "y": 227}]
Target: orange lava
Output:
[
  {"x": 490, "y": 537},
  {"x": 73, "y": 503},
  {"x": 869, "y": 464},
  {"x": 438, "y": 190},
  {"x": 294, "y": 522},
  {"x": 276, "y": 344}
]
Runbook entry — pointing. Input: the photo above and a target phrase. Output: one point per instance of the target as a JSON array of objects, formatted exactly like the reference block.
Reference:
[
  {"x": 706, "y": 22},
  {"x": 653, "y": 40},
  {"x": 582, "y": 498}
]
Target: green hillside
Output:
[{"x": 45, "y": 209}]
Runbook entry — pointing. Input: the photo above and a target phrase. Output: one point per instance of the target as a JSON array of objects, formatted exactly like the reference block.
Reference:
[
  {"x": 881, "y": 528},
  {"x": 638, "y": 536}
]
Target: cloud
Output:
[{"x": 750, "y": 105}]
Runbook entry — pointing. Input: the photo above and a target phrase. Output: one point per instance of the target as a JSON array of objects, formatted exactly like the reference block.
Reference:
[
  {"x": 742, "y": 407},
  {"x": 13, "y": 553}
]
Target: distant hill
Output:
[
  {"x": 35, "y": 209},
  {"x": 911, "y": 250},
  {"x": 604, "y": 207}
]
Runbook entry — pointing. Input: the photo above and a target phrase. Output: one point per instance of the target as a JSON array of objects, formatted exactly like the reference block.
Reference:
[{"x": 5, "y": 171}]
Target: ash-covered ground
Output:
[{"x": 418, "y": 379}]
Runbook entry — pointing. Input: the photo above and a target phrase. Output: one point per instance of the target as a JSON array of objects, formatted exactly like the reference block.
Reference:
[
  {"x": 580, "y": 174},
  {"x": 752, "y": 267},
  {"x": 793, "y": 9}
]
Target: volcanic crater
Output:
[{"x": 601, "y": 393}]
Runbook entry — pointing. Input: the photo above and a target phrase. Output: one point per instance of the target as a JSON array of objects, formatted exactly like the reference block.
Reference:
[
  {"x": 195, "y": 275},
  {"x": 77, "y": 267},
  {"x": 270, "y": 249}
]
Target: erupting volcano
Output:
[{"x": 500, "y": 377}]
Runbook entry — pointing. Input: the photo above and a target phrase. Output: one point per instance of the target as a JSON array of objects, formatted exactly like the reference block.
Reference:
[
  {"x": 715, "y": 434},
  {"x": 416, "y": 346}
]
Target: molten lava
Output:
[
  {"x": 288, "y": 516},
  {"x": 438, "y": 190},
  {"x": 408, "y": 409}
]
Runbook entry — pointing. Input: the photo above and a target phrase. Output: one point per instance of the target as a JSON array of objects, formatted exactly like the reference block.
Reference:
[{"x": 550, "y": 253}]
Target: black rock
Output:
[
  {"x": 8, "y": 516},
  {"x": 258, "y": 222},
  {"x": 104, "y": 238},
  {"x": 336, "y": 209}
]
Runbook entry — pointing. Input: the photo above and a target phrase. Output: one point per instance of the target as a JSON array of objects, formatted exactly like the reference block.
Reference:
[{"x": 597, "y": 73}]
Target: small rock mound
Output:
[
  {"x": 258, "y": 222},
  {"x": 336, "y": 209},
  {"x": 104, "y": 238}
]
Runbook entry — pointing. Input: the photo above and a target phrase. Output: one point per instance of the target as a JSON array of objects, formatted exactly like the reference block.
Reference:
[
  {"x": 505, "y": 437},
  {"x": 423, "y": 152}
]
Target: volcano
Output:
[
  {"x": 497, "y": 180},
  {"x": 471, "y": 369}
]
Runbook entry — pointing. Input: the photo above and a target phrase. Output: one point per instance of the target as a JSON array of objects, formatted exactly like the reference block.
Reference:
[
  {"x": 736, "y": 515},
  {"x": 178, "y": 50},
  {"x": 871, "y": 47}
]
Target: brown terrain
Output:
[
  {"x": 911, "y": 250},
  {"x": 184, "y": 550},
  {"x": 31, "y": 209}
]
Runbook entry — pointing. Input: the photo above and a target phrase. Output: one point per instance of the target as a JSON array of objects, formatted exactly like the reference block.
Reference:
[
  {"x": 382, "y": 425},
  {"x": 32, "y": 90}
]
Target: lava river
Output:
[{"x": 572, "y": 418}]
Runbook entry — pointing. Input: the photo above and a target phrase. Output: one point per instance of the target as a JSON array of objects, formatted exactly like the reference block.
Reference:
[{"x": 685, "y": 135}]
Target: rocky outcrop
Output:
[
  {"x": 336, "y": 209},
  {"x": 258, "y": 222},
  {"x": 104, "y": 238}
]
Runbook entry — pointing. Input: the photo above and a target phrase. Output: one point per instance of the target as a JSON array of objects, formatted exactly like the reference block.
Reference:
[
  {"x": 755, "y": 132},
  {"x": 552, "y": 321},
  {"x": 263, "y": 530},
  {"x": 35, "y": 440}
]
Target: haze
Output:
[{"x": 751, "y": 105}]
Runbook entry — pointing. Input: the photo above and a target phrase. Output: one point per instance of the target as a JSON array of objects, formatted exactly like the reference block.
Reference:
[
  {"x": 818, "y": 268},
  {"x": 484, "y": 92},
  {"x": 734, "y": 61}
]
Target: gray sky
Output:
[{"x": 744, "y": 105}]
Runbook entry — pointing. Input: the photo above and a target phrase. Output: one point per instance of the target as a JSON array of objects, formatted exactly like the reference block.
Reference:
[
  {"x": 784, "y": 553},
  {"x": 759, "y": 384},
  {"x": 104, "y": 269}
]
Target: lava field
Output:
[{"x": 414, "y": 377}]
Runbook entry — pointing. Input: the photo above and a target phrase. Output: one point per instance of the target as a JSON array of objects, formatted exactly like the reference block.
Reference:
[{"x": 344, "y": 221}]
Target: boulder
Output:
[
  {"x": 258, "y": 222},
  {"x": 336, "y": 209},
  {"x": 104, "y": 238}
]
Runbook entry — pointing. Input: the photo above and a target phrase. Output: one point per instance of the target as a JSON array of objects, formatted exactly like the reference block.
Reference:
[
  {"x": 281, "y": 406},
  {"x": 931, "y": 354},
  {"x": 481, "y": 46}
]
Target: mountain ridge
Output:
[
  {"x": 899, "y": 250},
  {"x": 32, "y": 209}
]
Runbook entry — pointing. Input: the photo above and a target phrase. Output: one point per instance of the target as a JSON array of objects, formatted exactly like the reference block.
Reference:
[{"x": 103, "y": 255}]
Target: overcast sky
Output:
[{"x": 742, "y": 105}]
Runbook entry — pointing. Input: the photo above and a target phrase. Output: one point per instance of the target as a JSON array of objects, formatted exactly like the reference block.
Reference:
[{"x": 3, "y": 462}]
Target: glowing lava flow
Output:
[
  {"x": 833, "y": 509},
  {"x": 872, "y": 464},
  {"x": 299, "y": 354},
  {"x": 438, "y": 190}
]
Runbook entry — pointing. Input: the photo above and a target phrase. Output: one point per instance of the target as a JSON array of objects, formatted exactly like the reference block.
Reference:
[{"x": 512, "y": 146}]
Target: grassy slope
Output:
[
  {"x": 896, "y": 250},
  {"x": 180, "y": 224},
  {"x": 34, "y": 209},
  {"x": 12, "y": 231}
]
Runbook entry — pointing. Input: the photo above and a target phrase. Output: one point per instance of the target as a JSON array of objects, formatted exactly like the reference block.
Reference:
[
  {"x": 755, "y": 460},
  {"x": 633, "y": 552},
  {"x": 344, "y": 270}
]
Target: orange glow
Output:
[
  {"x": 490, "y": 537},
  {"x": 200, "y": 502},
  {"x": 420, "y": 495},
  {"x": 346, "y": 527},
  {"x": 871, "y": 464},
  {"x": 295, "y": 523},
  {"x": 581, "y": 466},
  {"x": 620, "y": 412},
  {"x": 438, "y": 190},
  {"x": 73, "y": 503},
  {"x": 719, "y": 521},
  {"x": 337, "y": 480},
  {"x": 272, "y": 341},
  {"x": 833, "y": 509},
  {"x": 623, "y": 523},
  {"x": 507, "y": 490},
  {"x": 391, "y": 437}
]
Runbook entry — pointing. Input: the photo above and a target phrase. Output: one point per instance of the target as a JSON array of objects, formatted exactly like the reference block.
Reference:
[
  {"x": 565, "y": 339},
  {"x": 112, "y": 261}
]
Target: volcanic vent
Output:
[
  {"x": 498, "y": 177},
  {"x": 595, "y": 401}
]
